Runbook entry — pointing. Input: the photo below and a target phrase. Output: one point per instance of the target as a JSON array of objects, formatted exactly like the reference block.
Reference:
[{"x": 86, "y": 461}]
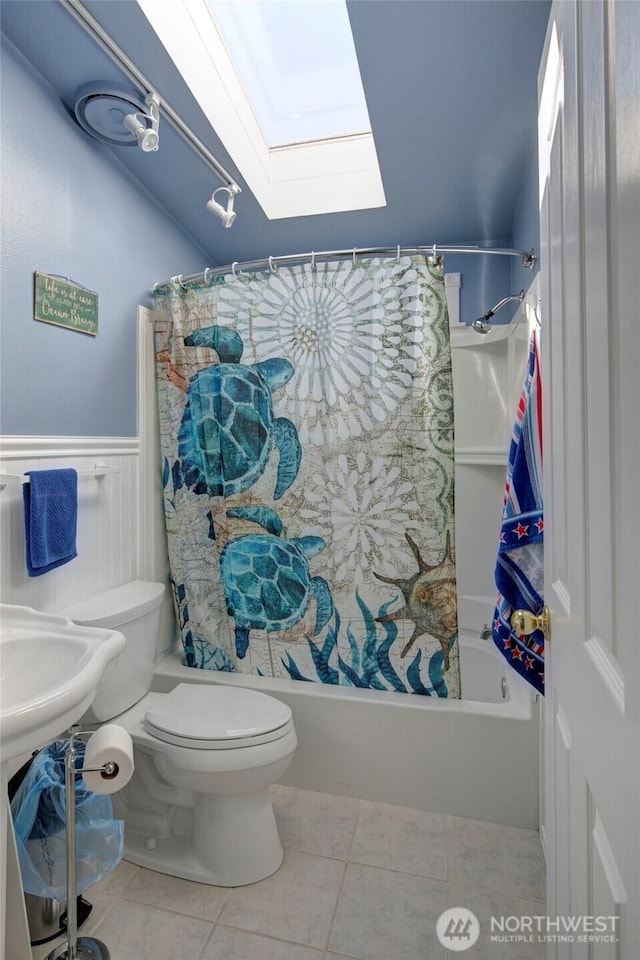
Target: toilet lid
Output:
[{"x": 212, "y": 716}]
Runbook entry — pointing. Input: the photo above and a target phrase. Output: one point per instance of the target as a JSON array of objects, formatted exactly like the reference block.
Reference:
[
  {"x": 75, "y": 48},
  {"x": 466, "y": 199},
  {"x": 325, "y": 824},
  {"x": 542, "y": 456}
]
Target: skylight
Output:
[
  {"x": 279, "y": 82},
  {"x": 298, "y": 66}
]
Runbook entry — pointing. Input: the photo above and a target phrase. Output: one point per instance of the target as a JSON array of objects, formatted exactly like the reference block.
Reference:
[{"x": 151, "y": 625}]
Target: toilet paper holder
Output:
[{"x": 83, "y": 948}]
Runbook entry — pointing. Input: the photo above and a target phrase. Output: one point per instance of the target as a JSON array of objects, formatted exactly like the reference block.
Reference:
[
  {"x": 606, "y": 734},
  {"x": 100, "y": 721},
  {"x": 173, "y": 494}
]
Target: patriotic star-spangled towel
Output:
[{"x": 519, "y": 573}]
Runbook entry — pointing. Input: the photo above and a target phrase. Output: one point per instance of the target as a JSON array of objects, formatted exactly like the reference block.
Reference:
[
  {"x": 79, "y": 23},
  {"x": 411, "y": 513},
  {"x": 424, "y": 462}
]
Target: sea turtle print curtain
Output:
[{"x": 306, "y": 418}]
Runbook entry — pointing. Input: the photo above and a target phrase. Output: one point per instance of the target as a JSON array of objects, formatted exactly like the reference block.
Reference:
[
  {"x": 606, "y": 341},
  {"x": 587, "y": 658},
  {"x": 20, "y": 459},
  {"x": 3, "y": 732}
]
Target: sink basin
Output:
[{"x": 49, "y": 671}]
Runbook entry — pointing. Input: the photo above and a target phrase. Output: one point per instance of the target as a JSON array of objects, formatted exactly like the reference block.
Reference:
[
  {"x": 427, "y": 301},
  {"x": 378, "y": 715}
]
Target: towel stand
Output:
[{"x": 100, "y": 470}]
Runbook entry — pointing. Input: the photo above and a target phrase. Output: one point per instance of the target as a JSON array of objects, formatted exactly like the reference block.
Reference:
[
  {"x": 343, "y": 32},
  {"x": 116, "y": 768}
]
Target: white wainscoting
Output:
[
  {"x": 107, "y": 519},
  {"x": 121, "y": 533}
]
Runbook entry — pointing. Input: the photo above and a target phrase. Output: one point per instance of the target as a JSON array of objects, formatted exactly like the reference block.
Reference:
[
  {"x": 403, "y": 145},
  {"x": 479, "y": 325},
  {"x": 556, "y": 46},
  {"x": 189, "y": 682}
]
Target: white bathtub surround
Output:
[
  {"x": 476, "y": 757},
  {"x": 334, "y": 897}
]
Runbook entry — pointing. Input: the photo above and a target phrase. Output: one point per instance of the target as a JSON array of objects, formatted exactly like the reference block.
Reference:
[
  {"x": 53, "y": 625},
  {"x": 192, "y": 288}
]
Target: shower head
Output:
[{"x": 483, "y": 324}]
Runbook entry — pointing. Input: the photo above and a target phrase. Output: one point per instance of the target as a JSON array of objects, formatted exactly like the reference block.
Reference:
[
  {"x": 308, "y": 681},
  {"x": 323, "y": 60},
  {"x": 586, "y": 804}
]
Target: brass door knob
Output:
[{"x": 525, "y": 622}]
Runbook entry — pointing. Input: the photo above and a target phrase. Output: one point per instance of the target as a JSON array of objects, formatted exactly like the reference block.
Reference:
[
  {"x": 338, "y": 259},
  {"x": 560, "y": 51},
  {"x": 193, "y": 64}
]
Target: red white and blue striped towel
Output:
[{"x": 519, "y": 573}]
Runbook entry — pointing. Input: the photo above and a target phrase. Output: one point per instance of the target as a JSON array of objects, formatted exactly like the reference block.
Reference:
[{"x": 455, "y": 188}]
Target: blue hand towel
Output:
[{"x": 50, "y": 519}]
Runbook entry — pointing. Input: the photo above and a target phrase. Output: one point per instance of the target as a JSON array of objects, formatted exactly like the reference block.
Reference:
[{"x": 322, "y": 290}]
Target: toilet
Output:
[{"x": 198, "y": 805}]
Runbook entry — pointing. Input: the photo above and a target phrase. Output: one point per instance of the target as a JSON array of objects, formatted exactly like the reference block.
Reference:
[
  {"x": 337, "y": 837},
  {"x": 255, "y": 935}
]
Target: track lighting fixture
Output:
[
  {"x": 227, "y": 216},
  {"x": 147, "y": 136},
  {"x": 483, "y": 324}
]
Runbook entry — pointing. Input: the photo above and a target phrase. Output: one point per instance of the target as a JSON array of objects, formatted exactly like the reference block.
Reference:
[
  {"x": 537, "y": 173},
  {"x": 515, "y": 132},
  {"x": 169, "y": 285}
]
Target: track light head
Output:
[
  {"x": 227, "y": 216},
  {"x": 146, "y": 135}
]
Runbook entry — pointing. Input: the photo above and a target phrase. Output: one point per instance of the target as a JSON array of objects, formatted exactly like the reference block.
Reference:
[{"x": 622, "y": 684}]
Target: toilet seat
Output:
[{"x": 208, "y": 717}]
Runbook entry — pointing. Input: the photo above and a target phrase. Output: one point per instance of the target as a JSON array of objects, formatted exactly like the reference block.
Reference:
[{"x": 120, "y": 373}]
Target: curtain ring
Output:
[
  {"x": 353, "y": 258},
  {"x": 313, "y": 261},
  {"x": 181, "y": 283},
  {"x": 273, "y": 268},
  {"x": 435, "y": 252},
  {"x": 233, "y": 268},
  {"x": 207, "y": 271},
  {"x": 155, "y": 287},
  {"x": 398, "y": 256}
]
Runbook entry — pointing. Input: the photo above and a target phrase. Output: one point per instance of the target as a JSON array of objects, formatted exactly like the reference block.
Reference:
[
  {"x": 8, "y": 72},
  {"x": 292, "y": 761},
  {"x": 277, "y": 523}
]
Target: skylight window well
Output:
[
  {"x": 297, "y": 64},
  {"x": 280, "y": 84}
]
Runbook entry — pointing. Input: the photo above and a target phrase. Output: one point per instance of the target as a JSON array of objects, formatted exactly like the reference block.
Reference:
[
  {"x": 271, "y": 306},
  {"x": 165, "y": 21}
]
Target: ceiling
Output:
[{"x": 451, "y": 88}]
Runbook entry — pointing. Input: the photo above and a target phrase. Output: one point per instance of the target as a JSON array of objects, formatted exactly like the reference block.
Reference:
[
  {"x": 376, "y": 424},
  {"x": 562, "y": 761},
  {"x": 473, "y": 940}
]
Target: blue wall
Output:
[
  {"x": 485, "y": 280},
  {"x": 69, "y": 208}
]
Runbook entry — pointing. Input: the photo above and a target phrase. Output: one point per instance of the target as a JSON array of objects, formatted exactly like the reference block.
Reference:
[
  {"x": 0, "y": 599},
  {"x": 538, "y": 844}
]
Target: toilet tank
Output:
[{"x": 134, "y": 610}]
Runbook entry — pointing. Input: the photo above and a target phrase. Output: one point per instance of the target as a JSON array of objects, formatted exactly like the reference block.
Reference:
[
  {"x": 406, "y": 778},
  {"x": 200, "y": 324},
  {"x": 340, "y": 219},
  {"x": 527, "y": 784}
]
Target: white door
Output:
[{"x": 589, "y": 138}]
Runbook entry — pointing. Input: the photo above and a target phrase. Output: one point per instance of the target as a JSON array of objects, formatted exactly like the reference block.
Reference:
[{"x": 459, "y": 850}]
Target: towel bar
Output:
[{"x": 98, "y": 471}]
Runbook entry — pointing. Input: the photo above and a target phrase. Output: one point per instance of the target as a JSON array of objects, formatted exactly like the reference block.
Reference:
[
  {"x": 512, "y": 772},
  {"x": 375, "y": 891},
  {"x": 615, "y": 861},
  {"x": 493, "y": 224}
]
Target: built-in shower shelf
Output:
[{"x": 482, "y": 458}]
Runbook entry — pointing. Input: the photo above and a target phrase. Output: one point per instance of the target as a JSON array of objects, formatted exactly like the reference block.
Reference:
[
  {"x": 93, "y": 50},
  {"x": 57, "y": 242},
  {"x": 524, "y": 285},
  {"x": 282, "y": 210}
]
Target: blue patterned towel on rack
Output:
[
  {"x": 50, "y": 519},
  {"x": 519, "y": 573}
]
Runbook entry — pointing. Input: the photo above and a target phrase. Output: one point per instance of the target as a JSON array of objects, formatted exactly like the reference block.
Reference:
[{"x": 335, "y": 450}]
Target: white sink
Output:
[{"x": 49, "y": 671}]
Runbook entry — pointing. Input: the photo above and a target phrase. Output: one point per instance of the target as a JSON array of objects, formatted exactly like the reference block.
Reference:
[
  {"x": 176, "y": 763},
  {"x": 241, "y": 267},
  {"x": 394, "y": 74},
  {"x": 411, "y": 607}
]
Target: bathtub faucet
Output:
[{"x": 485, "y": 633}]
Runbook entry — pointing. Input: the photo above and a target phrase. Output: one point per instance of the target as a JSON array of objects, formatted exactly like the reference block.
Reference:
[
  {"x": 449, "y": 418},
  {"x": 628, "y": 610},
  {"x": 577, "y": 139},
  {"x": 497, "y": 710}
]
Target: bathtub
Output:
[{"x": 476, "y": 757}]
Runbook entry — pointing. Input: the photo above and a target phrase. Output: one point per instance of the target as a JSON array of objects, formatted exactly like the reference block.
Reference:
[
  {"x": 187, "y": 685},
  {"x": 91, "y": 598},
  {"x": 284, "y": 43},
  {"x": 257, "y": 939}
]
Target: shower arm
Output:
[
  {"x": 483, "y": 324},
  {"x": 502, "y": 303}
]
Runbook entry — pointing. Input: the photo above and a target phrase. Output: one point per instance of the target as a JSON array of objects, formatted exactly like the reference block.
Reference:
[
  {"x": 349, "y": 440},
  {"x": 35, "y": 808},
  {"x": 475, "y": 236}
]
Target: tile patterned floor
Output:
[{"x": 360, "y": 880}]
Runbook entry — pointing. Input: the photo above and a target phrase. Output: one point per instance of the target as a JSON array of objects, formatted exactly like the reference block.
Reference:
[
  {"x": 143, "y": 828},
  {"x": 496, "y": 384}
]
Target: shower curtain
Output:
[{"x": 306, "y": 418}]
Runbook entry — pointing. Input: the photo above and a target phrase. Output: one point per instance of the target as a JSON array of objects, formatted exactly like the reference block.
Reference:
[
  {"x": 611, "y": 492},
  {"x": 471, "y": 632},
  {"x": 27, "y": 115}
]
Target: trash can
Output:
[{"x": 47, "y": 917}]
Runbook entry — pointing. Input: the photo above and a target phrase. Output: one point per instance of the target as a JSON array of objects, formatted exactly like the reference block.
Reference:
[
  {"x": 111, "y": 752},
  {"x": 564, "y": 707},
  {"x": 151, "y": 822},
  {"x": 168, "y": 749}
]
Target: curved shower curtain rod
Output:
[{"x": 271, "y": 263}]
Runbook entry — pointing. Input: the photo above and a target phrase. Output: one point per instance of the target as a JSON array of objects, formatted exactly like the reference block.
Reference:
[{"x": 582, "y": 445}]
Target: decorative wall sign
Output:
[{"x": 65, "y": 304}]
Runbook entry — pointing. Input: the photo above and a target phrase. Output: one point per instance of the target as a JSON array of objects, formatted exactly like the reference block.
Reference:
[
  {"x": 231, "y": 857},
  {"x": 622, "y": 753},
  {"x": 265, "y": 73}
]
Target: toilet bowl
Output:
[{"x": 198, "y": 805}]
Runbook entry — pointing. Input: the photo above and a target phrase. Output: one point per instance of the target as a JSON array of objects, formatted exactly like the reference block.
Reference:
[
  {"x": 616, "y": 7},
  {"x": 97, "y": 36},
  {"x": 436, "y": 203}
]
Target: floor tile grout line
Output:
[
  {"x": 134, "y": 873},
  {"x": 267, "y": 936},
  {"x": 207, "y": 941},
  {"x": 171, "y": 910},
  {"x": 404, "y": 873},
  {"x": 342, "y": 879},
  {"x": 335, "y": 908},
  {"x": 343, "y": 956},
  {"x": 92, "y": 931},
  {"x": 353, "y": 834}
]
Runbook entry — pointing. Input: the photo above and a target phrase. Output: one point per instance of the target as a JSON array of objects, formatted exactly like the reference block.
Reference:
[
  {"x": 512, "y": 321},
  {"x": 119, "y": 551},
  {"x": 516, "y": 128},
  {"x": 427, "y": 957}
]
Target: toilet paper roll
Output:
[{"x": 110, "y": 744}]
